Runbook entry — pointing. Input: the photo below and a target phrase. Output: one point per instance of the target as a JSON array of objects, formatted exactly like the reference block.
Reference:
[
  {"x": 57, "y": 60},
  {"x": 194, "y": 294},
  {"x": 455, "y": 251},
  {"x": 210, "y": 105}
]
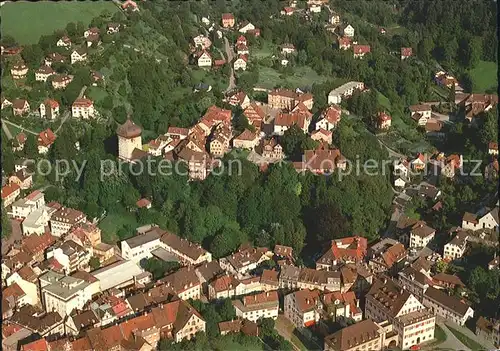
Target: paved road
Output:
[
  {"x": 20, "y": 127},
  {"x": 67, "y": 113},
  {"x": 6, "y": 131},
  {"x": 229, "y": 54}
]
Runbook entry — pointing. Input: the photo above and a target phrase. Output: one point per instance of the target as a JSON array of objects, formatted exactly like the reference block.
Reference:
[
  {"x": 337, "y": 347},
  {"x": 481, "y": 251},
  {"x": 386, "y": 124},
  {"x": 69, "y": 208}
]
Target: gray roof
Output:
[
  {"x": 66, "y": 287},
  {"x": 143, "y": 239},
  {"x": 117, "y": 273}
]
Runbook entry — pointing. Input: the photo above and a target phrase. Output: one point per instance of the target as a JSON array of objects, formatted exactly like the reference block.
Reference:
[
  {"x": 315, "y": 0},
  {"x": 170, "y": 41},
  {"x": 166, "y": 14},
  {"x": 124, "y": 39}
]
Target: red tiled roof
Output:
[
  {"x": 14, "y": 291},
  {"x": 227, "y": 16},
  {"x": 51, "y": 103},
  {"x": 143, "y": 203},
  {"x": 83, "y": 102},
  {"x": 493, "y": 146},
  {"x": 382, "y": 117},
  {"x": 406, "y": 52},
  {"x": 38, "y": 345},
  {"x": 332, "y": 114},
  {"x": 362, "y": 49},
  {"x": 9, "y": 189},
  {"x": 264, "y": 297},
  {"x": 46, "y": 138},
  {"x": 344, "y": 41},
  {"x": 224, "y": 283}
]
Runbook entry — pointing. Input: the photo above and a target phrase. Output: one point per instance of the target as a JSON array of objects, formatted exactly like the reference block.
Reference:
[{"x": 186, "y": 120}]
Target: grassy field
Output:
[
  {"x": 464, "y": 339},
  {"x": 302, "y": 77},
  {"x": 96, "y": 93},
  {"x": 112, "y": 223},
  {"x": 27, "y": 21},
  {"x": 484, "y": 76}
]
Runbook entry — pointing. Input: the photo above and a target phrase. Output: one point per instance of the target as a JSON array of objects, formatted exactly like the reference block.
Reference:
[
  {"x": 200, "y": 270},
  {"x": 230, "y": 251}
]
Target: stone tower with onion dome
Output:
[{"x": 129, "y": 139}]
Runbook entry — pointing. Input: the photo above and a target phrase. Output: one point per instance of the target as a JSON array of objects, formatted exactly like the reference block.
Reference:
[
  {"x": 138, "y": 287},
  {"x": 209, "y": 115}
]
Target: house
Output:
[
  {"x": 45, "y": 140},
  {"x": 23, "y": 207},
  {"x": 255, "y": 307},
  {"x": 491, "y": 170},
  {"x": 415, "y": 280},
  {"x": 78, "y": 55},
  {"x": 300, "y": 117},
  {"x": 345, "y": 250},
  {"x": 359, "y": 336},
  {"x": 314, "y": 8},
  {"x": 245, "y": 27},
  {"x": 5, "y": 102},
  {"x": 204, "y": 59},
  {"x": 421, "y": 234},
  {"x": 185, "y": 283},
  {"x": 177, "y": 133},
  {"x": 321, "y": 161},
  {"x": 10, "y": 193},
  {"x": 141, "y": 246},
  {"x": 18, "y": 142},
  {"x": 43, "y": 73},
  {"x": 241, "y": 63},
  {"x": 434, "y": 127},
  {"x": 489, "y": 329},
  {"x": 255, "y": 115},
  {"x": 329, "y": 118},
  {"x": 429, "y": 191},
  {"x": 386, "y": 255},
  {"x": 246, "y": 140},
  {"x": 287, "y": 11},
  {"x": 143, "y": 203},
  {"x": 405, "y": 53},
  {"x": 242, "y": 49},
  {"x": 64, "y": 219},
  {"x": 23, "y": 178},
  {"x": 90, "y": 31},
  {"x": 49, "y": 109},
  {"x": 447, "y": 306},
  {"x": 383, "y": 121},
  {"x": 493, "y": 149},
  {"x": 447, "y": 281},
  {"x": 54, "y": 57},
  {"x": 287, "y": 48},
  {"x": 361, "y": 50},
  {"x": 344, "y": 91},
  {"x": 302, "y": 307},
  {"x": 219, "y": 142},
  {"x": 19, "y": 70},
  {"x": 445, "y": 79},
  {"x": 202, "y": 42},
  {"x": 412, "y": 322},
  {"x": 255, "y": 32},
  {"x": 341, "y": 304},
  {"x": 113, "y": 28},
  {"x": 419, "y": 163},
  {"x": 241, "y": 41},
  {"x": 83, "y": 108},
  {"x": 130, "y": 5},
  {"x": 322, "y": 135},
  {"x": 227, "y": 20},
  {"x": 334, "y": 19},
  {"x": 20, "y": 107},
  {"x": 474, "y": 104},
  {"x": 344, "y": 43},
  {"x": 97, "y": 78},
  {"x": 239, "y": 98},
  {"x": 63, "y": 294},
  {"x": 451, "y": 164},
  {"x": 225, "y": 286},
  {"x": 187, "y": 252},
  {"x": 61, "y": 81},
  {"x": 420, "y": 113},
  {"x": 239, "y": 325},
  {"x": 287, "y": 99},
  {"x": 349, "y": 31},
  {"x": 35, "y": 320},
  {"x": 272, "y": 149},
  {"x": 217, "y": 64},
  {"x": 93, "y": 39},
  {"x": 485, "y": 219},
  {"x": 72, "y": 256},
  {"x": 245, "y": 260},
  {"x": 65, "y": 42}
]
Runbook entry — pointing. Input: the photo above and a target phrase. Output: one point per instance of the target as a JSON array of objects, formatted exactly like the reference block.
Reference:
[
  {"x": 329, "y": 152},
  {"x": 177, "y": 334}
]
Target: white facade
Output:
[
  {"x": 139, "y": 252},
  {"x": 29, "y": 288},
  {"x": 335, "y": 96},
  {"x": 127, "y": 145},
  {"x": 192, "y": 326},
  {"x": 255, "y": 314},
  {"x": 349, "y": 31},
  {"x": 323, "y": 123},
  {"x": 240, "y": 64},
  {"x": 84, "y": 112},
  {"x": 246, "y": 28},
  {"x": 205, "y": 60},
  {"x": 418, "y": 241},
  {"x": 300, "y": 318},
  {"x": 78, "y": 57}
]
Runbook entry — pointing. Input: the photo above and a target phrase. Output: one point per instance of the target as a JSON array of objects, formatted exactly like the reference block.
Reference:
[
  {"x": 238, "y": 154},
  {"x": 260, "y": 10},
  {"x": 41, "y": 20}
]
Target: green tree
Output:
[{"x": 94, "y": 263}]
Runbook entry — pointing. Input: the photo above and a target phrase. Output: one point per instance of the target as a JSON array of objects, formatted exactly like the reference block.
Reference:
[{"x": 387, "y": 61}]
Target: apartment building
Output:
[
  {"x": 288, "y": 99},
  {"x": 245, "y": 260},
  {"x": 64, "y": 219},
  {"x": 421, "y": 235},
  {"x": 185, "y": 283},
  {"x": 255, "y": 307},
  {"x": 71, "y": 256},
  {"x": 455, "y": 249},
  {"x": 63, "y": 294},
  {"x": 447, "y": 306},
  {"x": 303, "y": 307},
  {"x": 344, "y": 91},
  {"x": 225, "y": 286},
  {"x": 141, "y": 245},
  {"x": 365, "y": 335}
]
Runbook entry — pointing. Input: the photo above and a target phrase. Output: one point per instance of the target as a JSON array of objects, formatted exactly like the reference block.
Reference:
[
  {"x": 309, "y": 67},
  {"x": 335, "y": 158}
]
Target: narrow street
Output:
[{"x": 229, "y": 54}]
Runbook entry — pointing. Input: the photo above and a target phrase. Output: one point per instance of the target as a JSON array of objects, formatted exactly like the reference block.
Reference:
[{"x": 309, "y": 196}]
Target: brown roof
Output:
[
  {"x": 129, "y": 130},
  {"x": 9, "y": 189},
  {"x": 470, "y": 217},
  {"x": 68, "y": 215},
  {"x": 85, "y": 276},
  {"x": 394, "y": 254},
  {"x": 418, "y": 108},
  {"x": 306, "y": 299},
  {"x": 448, "y": 279},
  {"x": 183, "y": 279},
  {"x": 265, "y": 297},
  {"x": 35, "y": 244},
  {"x": 484, "y": 324},
  {"x": 269, "y": 276},
  {"x": 319, "y": 160},
  {"x": 28, "y": 274},
  {"x": 281, "y": 250},
  {"x": 209, "y": 270},
  {"x": 83, "y": 102},
  {"x": 46, "y": 137},
  {"x": 233, "y": 326},
  {"x": 450, "y": 302},
  {"x": 246, "y": 256},
  {"x": 254, "y": 112},
  {"x": 19, "y": 104},
  {"x": 224, "y": 283},
  {"x": 390, "y": 295},
  {"x": 190, "y": 249},
  {"x": 422, "y": 230},
  {"x": 353, "y": 335},
  {"x": 45, "y": 70},
  {"x": 246, "y": 135},
  {"x": 178, "y": 130}
]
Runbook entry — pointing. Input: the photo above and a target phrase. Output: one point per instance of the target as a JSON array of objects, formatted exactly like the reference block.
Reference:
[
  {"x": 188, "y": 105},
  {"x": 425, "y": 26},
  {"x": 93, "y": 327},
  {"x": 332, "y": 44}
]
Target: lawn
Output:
[
  {"x": 96, "y": 93},
  {"x": 473, "y": 345},
  {"x": 27, "y": 21},
  {"x": 302, "y": 77},
  {"x": 114, "y": 222},
  {"x": 484, "y": 76}
]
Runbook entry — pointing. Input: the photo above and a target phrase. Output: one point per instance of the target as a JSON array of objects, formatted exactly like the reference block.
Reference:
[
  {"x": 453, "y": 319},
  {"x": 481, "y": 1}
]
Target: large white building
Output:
[
  {"x": 23, "y": 207},
  {"x": 140, "y": 246},
  {"x": 255, "y": 307},
  {"x": 421, "y": 235},
  {"x": 456, "y": 247},
  {"x": 64, "y": 219},
  {"x": 185, "y": 283},
  {"x": 63, "y": 294},
  {"x": 484, "y": 219},
  {"x": 346, "y": 90},
  {"x": 117, "y": 275}
]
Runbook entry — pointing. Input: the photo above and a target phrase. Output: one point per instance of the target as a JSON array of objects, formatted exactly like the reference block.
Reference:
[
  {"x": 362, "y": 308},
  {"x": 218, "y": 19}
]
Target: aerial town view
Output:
[{"x": 250, "y": 175}]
